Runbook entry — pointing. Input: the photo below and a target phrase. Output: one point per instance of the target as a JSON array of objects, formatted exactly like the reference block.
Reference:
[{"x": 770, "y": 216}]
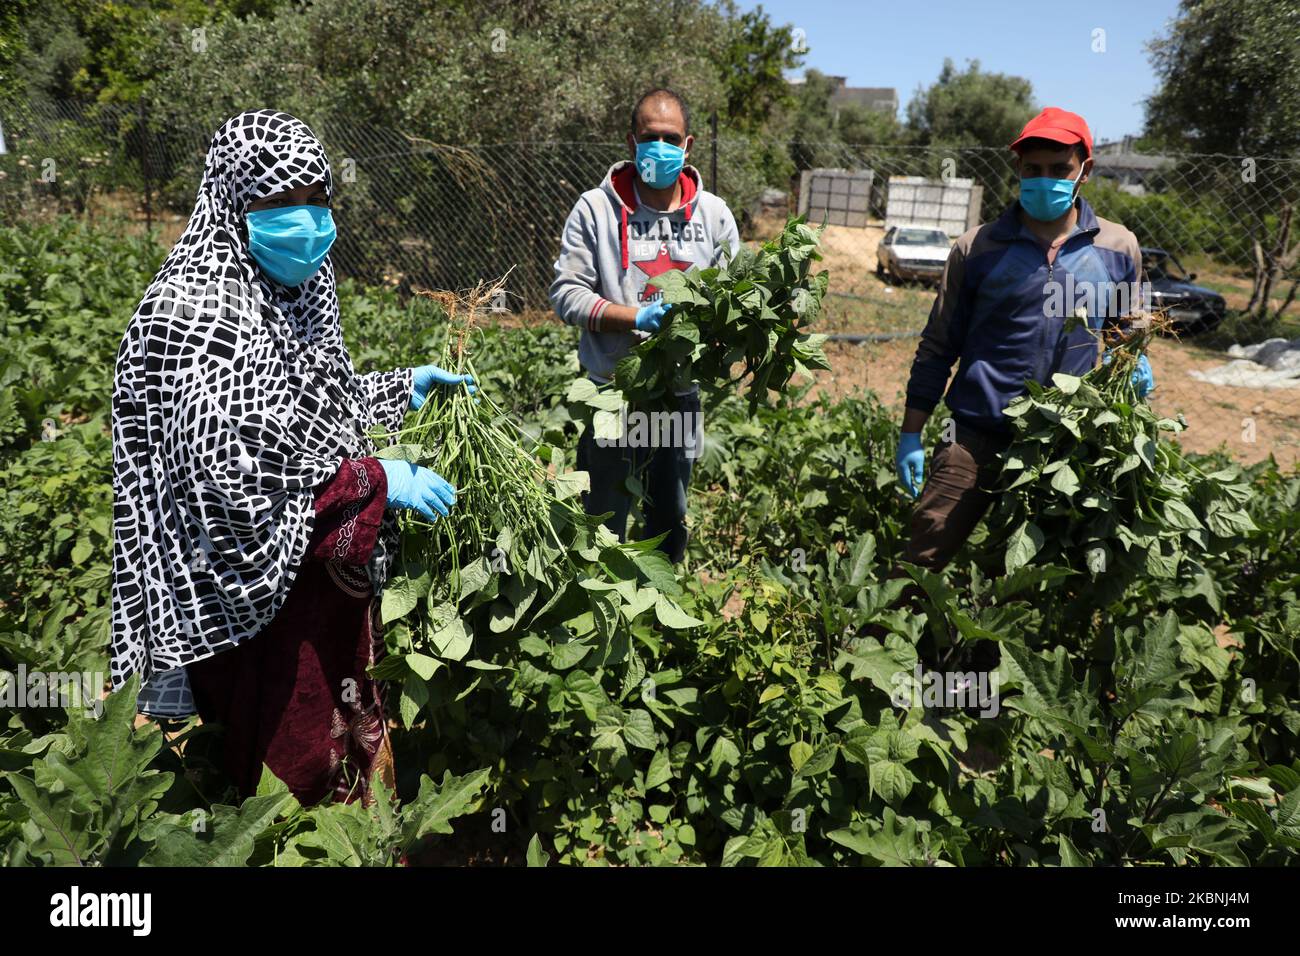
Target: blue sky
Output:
[{"x": 903, "y": 43}]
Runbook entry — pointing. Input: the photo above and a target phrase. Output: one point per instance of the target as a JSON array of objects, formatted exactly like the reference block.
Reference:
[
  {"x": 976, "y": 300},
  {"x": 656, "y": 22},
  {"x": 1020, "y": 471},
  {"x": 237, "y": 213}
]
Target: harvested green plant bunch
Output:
[
  {"x": 1091, "y": 482},
  {"x": 752, "y": 311},
  {"x": 516, "y": 549}
]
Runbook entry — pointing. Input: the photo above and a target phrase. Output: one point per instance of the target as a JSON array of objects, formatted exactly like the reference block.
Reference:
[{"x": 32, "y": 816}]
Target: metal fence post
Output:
[
  {"x": 713, "y": 152},
  {"x": 144, "y": 166}
]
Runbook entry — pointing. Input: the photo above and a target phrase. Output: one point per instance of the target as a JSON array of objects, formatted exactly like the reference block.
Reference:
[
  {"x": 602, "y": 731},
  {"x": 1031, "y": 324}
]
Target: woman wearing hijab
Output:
[{"x": 252, "y": 526}]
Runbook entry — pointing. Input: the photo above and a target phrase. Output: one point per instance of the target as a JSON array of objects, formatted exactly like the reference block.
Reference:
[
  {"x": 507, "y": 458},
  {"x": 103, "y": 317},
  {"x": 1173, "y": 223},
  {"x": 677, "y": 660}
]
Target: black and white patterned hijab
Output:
[{"x": 233, "y": 397}]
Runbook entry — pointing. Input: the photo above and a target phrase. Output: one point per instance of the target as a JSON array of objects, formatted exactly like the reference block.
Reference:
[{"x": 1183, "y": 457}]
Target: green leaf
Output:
[
  {"x": 800, "y": 751},
  {"x": 64, "y": 833},
  {"x": 453, "y": 641},
  {"x": 82, "y": 550},
  {"x": 422, "y": 664},
  {"x": 660, "y": 770},
  {"x": 639, "y": 730},
  {"x": 437, "y": 804},
  {"x": 822, "y": 759},
  {"x": 658, "y": 571},
  {"x": 670, "y": 614},
  {"x": 1066, "y": 481},
  {"x": 474, "y": 576},
  {"x": 1130, "y": 462},
  {"x": 569, "y": 654},
  {"x": 402, "y": 595},
  {"x": 1025, "y": 542},
  {"x": 1070, "y": 856},
  {"x": 861, "y": 559},
  {"x": 1146, "y": 450},
  {"x": 409, "y": 453},
  {"x": 228, "y": 837},
  {"x": 1068, "y": 384},
  {"x": 536, "y": 856},
  {"x": 1178, "y": 515},
  {"x": 581, "y": 390},
  {"x": 415, "y": 694},
  {"x": 724, "y": 753},
  {"x": 895, "y": 843},
  {"x": 571, "y": 483},
  {"x": 586, "y": 692}
]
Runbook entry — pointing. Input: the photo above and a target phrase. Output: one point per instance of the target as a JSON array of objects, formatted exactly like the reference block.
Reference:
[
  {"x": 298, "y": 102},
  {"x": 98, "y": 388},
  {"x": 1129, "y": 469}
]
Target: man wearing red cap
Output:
[{"x": 1000, "y": 314}]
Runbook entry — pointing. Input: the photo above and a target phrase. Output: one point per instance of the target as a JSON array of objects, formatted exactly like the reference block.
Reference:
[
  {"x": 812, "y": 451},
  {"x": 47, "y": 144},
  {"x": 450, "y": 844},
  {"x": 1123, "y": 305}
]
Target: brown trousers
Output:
[
  {"x": 954, "y": 498},
  {"x": 951, "y": 504}
]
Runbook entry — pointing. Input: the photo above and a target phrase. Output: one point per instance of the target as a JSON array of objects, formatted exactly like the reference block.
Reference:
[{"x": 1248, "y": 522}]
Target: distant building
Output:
[
  {"x": 882, "y": 99},
  {"x": 1131, "y": 171}
]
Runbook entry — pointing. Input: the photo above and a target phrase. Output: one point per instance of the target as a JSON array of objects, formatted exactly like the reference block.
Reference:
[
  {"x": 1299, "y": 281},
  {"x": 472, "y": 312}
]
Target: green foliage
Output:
[
  {"x": 795, "y": 479},
  {"x": 752, "y": 311},
  {"x": 612, "y": 711},
  {"x": 475, "y": 73},
  {"x": 95, "y": 49},
  {"x": 1177, "y": 219},
  {"x": 1089, "y": 483},
  {"x": 92, "y": 795},
  {"x": 518, "y": 553},
  {"x": 754, "y": 68},
  {"x": 90, "y": 789},
  {"x": 971, "y": 108},
  {"x": 525, "y": 367},
  {"x": 66, "y": 291},
  {"x": 818, "y": 134},
  {"x": 55, "y": 534},
  {"x": 1229, "y": 75}
]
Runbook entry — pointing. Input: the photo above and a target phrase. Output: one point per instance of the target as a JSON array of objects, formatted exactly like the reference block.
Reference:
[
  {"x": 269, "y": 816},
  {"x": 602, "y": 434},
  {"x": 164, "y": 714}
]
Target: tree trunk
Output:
[
  {"x": 1257, "y": 281},
  {"x": 1270, "y": 266},
  {"x": 1290, "y": 296}
]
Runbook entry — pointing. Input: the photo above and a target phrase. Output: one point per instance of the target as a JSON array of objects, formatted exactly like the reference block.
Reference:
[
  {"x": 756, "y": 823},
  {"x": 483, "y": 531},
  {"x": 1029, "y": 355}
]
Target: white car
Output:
[{"x": 912, "y": 252}]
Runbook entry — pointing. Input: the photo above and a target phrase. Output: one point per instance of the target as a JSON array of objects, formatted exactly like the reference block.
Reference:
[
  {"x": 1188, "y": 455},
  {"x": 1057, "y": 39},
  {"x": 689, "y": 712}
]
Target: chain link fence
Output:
[
  {"x": 423, "y": 215},
  {"x": 411, "y": 212}
]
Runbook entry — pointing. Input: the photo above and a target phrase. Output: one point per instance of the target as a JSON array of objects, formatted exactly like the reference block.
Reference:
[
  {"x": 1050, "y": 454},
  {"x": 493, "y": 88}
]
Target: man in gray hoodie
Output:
[{"x": 650, "y": 214}]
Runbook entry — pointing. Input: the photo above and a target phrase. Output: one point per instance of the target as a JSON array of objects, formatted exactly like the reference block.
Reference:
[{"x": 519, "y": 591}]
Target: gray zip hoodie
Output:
[{"x": 613, "y": 247}]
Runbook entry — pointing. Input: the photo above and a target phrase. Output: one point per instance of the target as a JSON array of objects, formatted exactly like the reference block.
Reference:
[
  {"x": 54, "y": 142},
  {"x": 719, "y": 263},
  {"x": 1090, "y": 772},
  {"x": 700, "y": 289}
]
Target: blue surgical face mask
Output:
[
  {"x": 291, "y": 242},
  {"x": 1045, "y": 198},
  {"x": 659, "y": 163}
]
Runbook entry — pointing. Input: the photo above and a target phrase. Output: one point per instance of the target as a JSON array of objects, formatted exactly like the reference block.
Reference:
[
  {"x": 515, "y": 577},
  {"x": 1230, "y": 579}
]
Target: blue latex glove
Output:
[
  {"x": 1144, "y": 379},
  {"x": 424, "y": 377},
  {"x": 911, "y": 462},
  {"x": 649, "y": 317},
  {"x": 418, "y": 489}
]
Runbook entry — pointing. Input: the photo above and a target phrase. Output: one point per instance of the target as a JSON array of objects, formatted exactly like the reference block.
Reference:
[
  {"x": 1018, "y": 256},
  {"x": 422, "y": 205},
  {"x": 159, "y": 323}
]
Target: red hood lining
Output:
[{"x": 623, "y": 180}]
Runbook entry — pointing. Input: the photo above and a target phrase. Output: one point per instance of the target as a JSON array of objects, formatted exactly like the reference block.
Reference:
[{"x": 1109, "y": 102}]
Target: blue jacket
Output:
[{"x": 1005, "y": 313}]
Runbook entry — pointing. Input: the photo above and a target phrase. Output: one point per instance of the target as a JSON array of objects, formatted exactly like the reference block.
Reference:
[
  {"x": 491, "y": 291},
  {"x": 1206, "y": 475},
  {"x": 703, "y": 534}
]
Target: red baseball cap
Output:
[{"x": 1058, "y": 125}]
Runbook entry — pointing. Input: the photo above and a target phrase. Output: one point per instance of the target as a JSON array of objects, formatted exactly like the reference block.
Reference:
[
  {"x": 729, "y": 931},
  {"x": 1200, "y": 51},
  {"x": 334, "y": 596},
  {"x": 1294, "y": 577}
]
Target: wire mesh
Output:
[{"x": 418, "y": 214}]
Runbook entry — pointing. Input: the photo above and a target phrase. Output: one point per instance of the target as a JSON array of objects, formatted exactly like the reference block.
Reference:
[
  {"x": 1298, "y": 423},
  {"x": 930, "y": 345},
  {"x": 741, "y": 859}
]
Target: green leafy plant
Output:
[
  {"x": 518, "y": 549},
  {"x": 752, "y": 311},
  {"x": 743, "y": 714},
  {"x": 1090, "y": 482}
]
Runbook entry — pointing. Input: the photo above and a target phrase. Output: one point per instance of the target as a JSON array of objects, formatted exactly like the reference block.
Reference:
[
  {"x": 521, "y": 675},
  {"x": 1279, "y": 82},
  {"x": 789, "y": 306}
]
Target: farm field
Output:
[{"x": 742, "y": 709}]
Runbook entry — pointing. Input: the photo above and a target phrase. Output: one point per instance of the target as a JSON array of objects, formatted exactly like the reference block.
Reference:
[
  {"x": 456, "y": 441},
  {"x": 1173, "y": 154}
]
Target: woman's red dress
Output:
[{"x": 296, "y": 697}]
